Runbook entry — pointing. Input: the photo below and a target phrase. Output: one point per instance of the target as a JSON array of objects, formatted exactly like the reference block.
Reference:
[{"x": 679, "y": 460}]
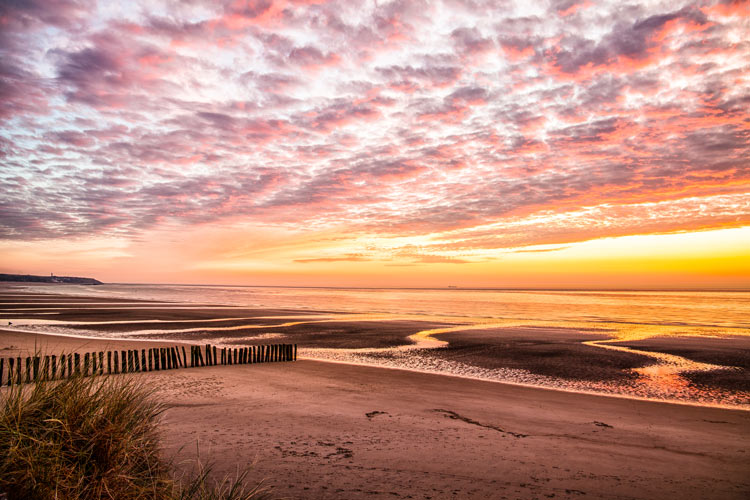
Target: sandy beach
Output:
[{"x": 329, "y": 430}]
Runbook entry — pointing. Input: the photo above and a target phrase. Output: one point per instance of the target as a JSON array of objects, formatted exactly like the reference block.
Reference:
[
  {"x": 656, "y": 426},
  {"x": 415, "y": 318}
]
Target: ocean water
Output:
[
  {"x": 721, "y": 310},
  {"x": 618, "y": 315}
]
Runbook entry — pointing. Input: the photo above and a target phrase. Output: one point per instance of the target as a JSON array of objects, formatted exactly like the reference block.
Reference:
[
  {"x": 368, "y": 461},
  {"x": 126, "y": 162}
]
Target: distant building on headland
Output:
[{"x": 29, "y": 278}]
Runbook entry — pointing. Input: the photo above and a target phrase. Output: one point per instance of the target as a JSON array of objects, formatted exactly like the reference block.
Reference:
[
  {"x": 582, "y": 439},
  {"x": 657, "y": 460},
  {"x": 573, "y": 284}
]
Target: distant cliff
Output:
[{"x": 28, "y": 278}]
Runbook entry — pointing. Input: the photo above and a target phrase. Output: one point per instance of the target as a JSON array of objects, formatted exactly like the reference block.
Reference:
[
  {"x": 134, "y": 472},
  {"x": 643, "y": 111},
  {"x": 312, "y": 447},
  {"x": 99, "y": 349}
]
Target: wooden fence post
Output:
[
  {"x": 11, "y": 363},
  {"x": 53, "y": 375},
  {"x": 295, "y": 352},
  {"x": 184, "y": 357},
  {"x": 86, "y": 363},
  {"x": 117, "y": 362}
]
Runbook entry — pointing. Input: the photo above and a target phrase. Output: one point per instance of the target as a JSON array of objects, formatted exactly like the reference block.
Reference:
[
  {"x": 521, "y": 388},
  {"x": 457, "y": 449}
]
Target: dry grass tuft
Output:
[{"x": 94, "y": 438}]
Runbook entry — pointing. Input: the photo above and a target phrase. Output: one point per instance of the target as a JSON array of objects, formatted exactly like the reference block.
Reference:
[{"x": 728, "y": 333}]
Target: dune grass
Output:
[{"x": 95, "y": 438}]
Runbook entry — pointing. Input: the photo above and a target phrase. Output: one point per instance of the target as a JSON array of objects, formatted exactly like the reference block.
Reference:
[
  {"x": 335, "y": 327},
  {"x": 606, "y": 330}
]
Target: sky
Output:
[{"x": 558, "y": 143}]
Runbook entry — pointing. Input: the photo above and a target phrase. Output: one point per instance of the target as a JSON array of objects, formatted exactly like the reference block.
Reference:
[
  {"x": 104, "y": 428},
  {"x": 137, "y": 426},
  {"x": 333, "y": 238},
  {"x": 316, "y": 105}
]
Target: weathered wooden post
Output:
[
  {"x": 11, "y": 364},
  {"x": 109, "y": 361},
  {"x": 144, "y": 366},
  {"x": 123, "y": 362},
  {"x": 28, "y": 369},
  {"x": 151, "y": 364},
  {"x": 86, "y": 363},
  {"x": 94, "y": 364},
  {"x": 184, "y": 357},
  {"x": 175, "y": 360},
  {"x": 295, "y": 352},
  {"x": 62, "y": 366},
  {"x": 117, "y": 362},
  {"x": 208, "y": 355},
  {"x": 53, "y": 368}
]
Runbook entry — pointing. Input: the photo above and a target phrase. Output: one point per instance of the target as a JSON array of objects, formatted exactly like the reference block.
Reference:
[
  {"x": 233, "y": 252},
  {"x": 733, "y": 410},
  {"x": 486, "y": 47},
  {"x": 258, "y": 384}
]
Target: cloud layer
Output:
[{"x": 486, "y": 124}]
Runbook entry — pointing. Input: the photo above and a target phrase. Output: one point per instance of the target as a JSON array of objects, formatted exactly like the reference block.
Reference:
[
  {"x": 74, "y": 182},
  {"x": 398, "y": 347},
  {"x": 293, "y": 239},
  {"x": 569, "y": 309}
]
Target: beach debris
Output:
[
  {"x": 370, "y": 415},
  {"x": 455, "y": 416}
]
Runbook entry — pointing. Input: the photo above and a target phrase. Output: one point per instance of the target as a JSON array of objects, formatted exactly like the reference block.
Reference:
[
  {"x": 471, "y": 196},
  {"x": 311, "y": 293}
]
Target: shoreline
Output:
[
  {"x": 56, "y": 339},
  {"x": 573, "y": 356}
]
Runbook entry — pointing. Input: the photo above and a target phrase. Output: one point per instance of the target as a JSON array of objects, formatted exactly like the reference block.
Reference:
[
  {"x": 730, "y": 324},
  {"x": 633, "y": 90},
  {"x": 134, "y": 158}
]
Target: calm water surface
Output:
[{"x": 700, "y": 309}]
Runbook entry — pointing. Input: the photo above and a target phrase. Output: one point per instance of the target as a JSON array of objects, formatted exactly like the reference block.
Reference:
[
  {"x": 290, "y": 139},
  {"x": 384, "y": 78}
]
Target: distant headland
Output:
[{"x": 28, "y": 278}]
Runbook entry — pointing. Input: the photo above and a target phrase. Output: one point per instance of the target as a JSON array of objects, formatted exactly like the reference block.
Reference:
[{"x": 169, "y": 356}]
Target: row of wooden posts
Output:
[{"x": 131, "y": 361}]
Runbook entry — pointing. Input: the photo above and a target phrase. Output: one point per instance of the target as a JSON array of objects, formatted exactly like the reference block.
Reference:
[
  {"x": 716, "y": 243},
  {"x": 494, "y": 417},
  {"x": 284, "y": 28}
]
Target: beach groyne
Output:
[{"x": 29, "y": 369}]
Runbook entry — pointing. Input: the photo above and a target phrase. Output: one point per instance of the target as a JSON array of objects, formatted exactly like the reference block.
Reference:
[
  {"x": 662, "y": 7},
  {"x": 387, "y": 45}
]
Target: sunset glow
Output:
[{"x": 460, "y": 143}]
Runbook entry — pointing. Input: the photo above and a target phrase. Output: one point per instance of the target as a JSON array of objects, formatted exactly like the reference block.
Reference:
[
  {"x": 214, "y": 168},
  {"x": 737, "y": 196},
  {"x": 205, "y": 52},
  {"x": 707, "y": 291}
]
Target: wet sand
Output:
[
  {"x": 725, "y": 351},
  {"x": 326, "y": 430},
  {"x": 555, "y": 352}
]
